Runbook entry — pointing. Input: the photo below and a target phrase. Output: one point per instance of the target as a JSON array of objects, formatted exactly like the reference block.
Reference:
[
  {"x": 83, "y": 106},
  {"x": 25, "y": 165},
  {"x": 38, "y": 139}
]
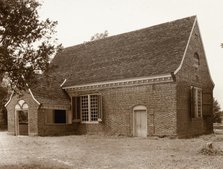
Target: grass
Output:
[{"x": 95, "y": 152}]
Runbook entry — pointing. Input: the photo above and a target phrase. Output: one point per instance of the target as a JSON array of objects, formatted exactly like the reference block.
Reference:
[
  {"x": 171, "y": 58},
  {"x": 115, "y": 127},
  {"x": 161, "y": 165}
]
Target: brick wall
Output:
[
  {"x": 118, "y": 104},
  {"x": 32, "y": 114},
  {"x": 45, "y": 129},
  {"x": 189, "y": 76}
]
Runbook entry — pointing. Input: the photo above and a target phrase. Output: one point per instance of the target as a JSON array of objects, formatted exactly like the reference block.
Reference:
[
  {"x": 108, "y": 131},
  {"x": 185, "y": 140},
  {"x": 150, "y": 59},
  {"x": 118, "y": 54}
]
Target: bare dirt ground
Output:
[{"x": 95, "y": 152}]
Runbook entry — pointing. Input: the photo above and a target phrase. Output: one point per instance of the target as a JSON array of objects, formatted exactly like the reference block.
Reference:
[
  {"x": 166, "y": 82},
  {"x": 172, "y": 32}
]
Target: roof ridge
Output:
[{"x": 138, "y": 30}]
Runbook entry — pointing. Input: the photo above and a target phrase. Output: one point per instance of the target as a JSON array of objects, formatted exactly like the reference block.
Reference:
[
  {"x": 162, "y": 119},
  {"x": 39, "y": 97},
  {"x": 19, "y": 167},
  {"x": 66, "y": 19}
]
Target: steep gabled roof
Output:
[
  {"x": 48, "y": 91},
  {"x": 152, "y": 51}
]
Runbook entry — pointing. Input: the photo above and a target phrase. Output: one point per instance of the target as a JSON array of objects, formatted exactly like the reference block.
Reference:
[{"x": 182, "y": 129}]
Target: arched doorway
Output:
[
  {"x": 21, "y": 118},
  {"x": 140, "y": 121}
]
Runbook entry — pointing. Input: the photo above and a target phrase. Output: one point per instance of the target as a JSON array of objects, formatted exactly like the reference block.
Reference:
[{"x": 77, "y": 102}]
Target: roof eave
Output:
[
  {"x": 10, "y": 98},
  {"x": 33, "y": 97},
  {"x": 134, "y": 81},
  {"x": 185, "y": 51}
]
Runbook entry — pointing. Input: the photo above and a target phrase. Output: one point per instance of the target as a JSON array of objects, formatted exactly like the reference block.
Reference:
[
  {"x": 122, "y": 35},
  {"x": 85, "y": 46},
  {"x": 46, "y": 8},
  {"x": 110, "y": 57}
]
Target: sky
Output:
[{"x": 78, "y": 20}]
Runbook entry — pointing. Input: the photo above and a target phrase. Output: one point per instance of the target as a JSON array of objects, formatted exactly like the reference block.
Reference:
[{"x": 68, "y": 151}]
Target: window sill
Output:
[
  {"x": 56, "y": 124},
  {"x": 89, "y": 122},
  {"x": 197, "y": 119},
  {"x": 76, "y": 121}
]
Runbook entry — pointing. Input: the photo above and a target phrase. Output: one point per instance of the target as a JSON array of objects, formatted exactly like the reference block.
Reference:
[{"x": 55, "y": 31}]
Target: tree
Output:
[
  {"x": 3, "y": 112},
  {"x": 216, "y": 111},
  {"x": 98, "y": 36},
  {"x": 26, "y": 43}
]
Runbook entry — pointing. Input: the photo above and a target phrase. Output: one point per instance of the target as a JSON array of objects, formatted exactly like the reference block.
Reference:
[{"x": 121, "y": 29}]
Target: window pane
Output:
[
  {"x": 199, "y": 103},
  {"x": 60, "y": 116},
  {"x": 84, "y": 108},
  {"x": 193, "y": 103},
  {"x": 74, "y": 107},
  {"x": 78, "y": 108},
  {"x": 196, "y": 101},
  {"x": 94, "y": 107},
  {"x": 99, "y": 107}
]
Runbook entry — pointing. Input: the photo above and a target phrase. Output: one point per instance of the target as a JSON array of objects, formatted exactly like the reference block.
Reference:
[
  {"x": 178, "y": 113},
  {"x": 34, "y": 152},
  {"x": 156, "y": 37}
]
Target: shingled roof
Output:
[
  {"x": 48, "y": 91},
  {"x": 156, "y": 50}
]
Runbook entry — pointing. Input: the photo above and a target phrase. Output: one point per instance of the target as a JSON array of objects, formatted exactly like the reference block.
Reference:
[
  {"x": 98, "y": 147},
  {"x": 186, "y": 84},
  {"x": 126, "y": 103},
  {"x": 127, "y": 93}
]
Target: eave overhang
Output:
[{"x": 123, "y": 83}]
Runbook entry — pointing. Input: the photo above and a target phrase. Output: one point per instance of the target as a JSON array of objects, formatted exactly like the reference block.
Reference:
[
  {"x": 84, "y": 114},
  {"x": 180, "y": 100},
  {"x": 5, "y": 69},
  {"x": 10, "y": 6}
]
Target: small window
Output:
[
  {"x": 196, "y": 102},
  {"x": 197, "y": 78},
  {"x": 87, "y": 108},
  {"x": 56, "y": 117},
  {"x": 59, "y": 116},
  {"x": 196, "y": 60}
]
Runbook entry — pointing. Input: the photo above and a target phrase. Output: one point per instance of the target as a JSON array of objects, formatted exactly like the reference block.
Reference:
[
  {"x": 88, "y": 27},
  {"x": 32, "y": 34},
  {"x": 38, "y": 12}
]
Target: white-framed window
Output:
[
  {"x": 196, "y": 102},
  {"x": 87, "y": 108}
]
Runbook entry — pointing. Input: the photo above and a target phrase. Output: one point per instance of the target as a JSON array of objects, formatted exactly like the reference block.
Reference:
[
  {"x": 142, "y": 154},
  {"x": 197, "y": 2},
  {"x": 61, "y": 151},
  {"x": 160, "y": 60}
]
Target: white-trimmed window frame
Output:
[{"x": 87, "y": 109}]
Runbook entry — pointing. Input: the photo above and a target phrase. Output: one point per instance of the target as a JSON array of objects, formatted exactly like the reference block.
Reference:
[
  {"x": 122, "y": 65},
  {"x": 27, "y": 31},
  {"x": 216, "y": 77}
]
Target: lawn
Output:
[{"x": 96, "y": 152}]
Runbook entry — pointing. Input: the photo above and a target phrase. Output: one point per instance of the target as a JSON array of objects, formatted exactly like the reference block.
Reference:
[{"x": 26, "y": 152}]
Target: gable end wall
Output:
[
  {"x": 32, "y": 114},
  {"x": 189, "y": 76}
]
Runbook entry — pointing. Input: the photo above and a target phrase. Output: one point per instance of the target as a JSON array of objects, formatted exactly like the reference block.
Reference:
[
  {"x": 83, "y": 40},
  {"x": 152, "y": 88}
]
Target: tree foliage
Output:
[
  {"x": 26, "y": 42},
  {"x": 3, "y": 95},
  {"x": 3, "y": 99},
  {"x": 216, "y": 111},
  {"x": 98, "y": 36}
]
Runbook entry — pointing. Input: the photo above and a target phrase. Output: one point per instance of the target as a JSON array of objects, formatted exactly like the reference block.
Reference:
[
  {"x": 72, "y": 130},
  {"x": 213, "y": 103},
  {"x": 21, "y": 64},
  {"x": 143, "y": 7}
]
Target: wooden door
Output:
[
  {"x": 22, "y": 123},
  {"x": 140, "y": 123}
]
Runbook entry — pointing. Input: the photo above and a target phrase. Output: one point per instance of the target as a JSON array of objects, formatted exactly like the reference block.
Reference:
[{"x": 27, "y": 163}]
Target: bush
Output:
[{"x": 209, "y": 149}]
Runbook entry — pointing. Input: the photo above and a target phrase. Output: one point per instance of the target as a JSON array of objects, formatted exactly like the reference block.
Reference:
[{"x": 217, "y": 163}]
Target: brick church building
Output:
[{"x": 149, "y": 82}]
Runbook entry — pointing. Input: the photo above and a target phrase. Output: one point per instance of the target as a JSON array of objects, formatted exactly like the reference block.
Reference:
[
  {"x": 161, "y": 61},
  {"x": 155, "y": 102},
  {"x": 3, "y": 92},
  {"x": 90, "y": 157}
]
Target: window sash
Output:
[
  {"x": 84, "y": 106},
  {"x": 199, "y": 103},
  {"x": 50, "y": 117},
  {"x": 94, "y": 107},
  {"x": 196, "y": 102},
  {"x": 90, "y": 108}
]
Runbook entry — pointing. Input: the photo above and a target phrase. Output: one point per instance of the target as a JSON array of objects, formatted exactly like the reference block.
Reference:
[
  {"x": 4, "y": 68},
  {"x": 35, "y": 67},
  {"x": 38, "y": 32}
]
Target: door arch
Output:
[
  {"x": 140, "y": 121},
  {"x": 21, "y": 118}
]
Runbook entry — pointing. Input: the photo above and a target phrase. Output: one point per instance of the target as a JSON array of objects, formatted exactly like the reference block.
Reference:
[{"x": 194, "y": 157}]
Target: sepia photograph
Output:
[{"x": 111, "y": 84}]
